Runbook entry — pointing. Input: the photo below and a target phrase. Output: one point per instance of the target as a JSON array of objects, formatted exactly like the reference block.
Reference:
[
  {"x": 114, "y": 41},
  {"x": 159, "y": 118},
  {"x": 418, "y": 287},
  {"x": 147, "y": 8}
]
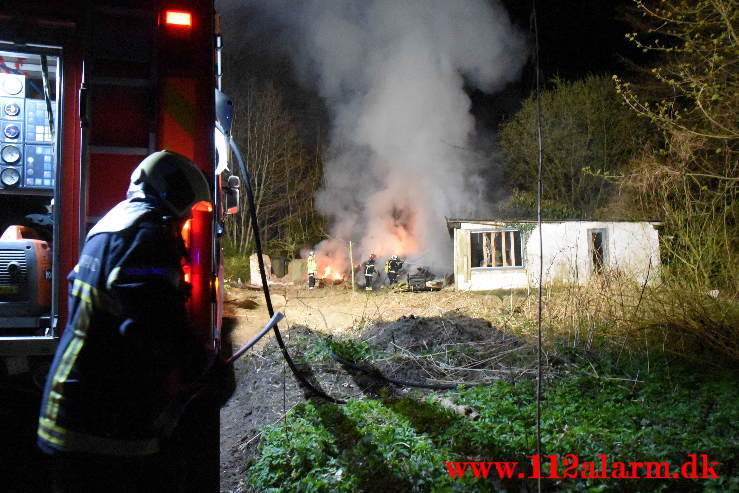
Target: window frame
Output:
[
  {"x": 501, "y": 267},
  {"x": 594, "y": 269}
]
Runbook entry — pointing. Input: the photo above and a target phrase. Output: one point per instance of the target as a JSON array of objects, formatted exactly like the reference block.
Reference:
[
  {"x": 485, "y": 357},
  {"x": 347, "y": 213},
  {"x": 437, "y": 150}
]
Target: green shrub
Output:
[
  {"x": 402, "y": 444},
  {"x": 235, "y": 265},
  {"x": 349, "y": 349}
]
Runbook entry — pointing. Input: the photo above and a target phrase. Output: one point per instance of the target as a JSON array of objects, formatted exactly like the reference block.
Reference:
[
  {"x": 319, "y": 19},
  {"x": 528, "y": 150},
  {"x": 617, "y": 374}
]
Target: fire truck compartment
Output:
[{"x": 29, "y": 123}]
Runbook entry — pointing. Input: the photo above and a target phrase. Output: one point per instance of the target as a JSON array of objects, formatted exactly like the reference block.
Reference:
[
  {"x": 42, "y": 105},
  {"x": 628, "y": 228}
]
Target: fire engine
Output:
[{"x": 87, "y": 89}]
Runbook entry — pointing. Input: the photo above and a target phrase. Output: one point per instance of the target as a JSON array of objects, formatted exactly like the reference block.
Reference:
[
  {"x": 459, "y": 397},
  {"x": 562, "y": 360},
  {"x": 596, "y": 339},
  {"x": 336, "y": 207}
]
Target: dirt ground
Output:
[
  {"x": 407, "y": 324},
  {"x": 401, "y": 322},
  {"x": 338, "y": 309}
]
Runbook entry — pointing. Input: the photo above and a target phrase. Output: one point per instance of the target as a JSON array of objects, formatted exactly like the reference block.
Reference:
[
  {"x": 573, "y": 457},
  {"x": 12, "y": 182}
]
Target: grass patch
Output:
[
  {"x": 235, "y": 265},
  {"x": 390, "y": 444},
  {"x": 322, "y": 347},
  {"x": 350, "y": 349}
]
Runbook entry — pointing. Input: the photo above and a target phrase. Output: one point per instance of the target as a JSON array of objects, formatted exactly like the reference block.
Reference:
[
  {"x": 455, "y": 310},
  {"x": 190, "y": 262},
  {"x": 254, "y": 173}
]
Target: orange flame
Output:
[
  {"x": 330, "y": 273},
  {"x": 402, "y": 244}
]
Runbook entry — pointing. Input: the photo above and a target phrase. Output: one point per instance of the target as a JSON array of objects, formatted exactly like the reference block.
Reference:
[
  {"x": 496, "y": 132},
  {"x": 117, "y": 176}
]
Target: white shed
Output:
[{"x": 498, "y": 254}]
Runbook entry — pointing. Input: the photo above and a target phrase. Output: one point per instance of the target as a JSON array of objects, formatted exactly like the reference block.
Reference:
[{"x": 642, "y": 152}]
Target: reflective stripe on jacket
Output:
[
  {"x": 311, "y": 264},
  {"x": 392, "y": 266},
  {"x": 126, "y": 343}
]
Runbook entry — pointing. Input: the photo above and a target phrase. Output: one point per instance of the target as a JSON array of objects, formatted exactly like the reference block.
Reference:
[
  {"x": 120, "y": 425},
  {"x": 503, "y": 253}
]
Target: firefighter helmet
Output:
[
  {"x": 174, "y": 179},
  {"x": 372, "y": 256}
]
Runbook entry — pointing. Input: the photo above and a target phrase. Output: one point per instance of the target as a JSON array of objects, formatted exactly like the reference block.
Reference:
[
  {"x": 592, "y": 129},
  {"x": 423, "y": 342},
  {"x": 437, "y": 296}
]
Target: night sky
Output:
[{"x": 576, "y": 38}]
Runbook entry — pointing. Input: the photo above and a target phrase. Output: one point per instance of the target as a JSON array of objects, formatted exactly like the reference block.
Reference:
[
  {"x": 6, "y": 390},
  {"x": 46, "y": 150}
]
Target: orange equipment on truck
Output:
[
  {"x": 25, "y": 275},
  {"x": 87, "y": 90}
]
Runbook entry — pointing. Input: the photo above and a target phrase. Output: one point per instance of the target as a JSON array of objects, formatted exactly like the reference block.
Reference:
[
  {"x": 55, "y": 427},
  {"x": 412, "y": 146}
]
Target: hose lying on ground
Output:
[
  {"x": 397, "y": 381},
  {"x": 268, "y": 299}
]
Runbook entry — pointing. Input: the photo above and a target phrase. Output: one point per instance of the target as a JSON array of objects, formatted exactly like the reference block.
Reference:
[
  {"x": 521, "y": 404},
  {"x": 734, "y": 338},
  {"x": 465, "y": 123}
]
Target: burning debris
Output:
[
  {"x": 332, "y": 275},
  {"x": 421, "y": 280},
  {"x": 373, "y": 273},
  {"x": 319, "y": 271},
  {"x": 397, "y": 274},
  {"x": 325, "y": 274}
]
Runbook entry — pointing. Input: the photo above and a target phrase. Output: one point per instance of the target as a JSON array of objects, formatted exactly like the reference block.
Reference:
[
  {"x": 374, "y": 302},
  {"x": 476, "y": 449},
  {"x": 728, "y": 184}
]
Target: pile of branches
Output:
[{"x": 450, "y": 350}]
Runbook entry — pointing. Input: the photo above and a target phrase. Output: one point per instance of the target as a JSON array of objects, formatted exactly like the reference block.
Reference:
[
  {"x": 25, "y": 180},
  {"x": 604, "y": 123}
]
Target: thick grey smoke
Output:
[{"x": 392, "y": 73}]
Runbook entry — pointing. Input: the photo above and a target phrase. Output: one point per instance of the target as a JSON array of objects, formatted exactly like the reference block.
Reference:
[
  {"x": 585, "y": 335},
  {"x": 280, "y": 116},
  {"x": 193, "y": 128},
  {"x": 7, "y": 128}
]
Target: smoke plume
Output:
[{"x": 392, "y": 74}]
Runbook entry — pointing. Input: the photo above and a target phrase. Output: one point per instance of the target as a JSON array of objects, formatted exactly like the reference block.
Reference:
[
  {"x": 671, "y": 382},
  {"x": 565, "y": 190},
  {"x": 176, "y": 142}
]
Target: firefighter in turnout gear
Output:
[
  {"x": 369, "y": 272},
  {"x": 392, "y": 267},
  {"x": 128, "y": 347},
  {"x": 312, "y": 269}
]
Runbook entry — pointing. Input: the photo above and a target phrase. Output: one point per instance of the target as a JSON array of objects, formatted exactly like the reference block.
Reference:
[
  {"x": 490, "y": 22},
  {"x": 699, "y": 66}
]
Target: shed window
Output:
[
  {"x": 496, "y": 249},
  {"x": 598, "y": 250}
]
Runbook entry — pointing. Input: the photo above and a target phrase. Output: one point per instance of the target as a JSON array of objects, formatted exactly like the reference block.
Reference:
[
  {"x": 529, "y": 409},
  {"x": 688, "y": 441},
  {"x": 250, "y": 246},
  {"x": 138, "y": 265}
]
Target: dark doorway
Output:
[{"x": 597, "y": 249}]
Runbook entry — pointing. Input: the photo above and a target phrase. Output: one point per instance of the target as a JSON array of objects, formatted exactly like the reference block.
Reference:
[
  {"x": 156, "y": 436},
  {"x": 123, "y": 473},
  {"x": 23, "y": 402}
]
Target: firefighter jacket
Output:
[
  {"x": 369, "y": 268},
  {"x": 311, "y": 265},
  {"x": 392, "y": 266},
  {"x": 127, "y": 342}
]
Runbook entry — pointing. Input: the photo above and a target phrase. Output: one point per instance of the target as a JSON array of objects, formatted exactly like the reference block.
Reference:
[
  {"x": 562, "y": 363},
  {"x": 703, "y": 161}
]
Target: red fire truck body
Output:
[{"x": 87, "y": 90}]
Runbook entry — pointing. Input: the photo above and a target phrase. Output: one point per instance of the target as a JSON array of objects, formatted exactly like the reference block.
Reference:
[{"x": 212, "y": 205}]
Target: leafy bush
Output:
[
  {"x": 689, "y": 180},
  {"x": 235, "y": 264},
  {"x": 587, "y": 136},
  {"x": 349, "y": 349},
  {"x": 402, "y": 444}
]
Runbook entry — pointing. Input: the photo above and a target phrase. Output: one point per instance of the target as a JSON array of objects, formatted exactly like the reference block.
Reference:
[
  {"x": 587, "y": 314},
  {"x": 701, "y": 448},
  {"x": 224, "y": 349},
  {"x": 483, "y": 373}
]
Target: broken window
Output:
[
  {"x": 598, "y": 249},
  {"x": 496, "y": 249}
]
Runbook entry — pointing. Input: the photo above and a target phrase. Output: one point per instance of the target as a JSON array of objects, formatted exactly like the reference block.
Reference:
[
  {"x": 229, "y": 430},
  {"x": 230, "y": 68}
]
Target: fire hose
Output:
[
  {"x": 397, "y": 381},
  {"x": 268, "y": 299},
  {"x": 168, "y": 419},
  {"x": 272, "y": 323},
  {"x": 171, "y": 415}
]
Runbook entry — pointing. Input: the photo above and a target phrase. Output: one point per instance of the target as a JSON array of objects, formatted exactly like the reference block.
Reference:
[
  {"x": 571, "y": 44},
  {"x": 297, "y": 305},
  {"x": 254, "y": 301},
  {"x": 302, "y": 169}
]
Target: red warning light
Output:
[
  {"x": 203, "y": 206},
  {"x": 178, "y": 18},
  {"x": 185, "y": 233}
]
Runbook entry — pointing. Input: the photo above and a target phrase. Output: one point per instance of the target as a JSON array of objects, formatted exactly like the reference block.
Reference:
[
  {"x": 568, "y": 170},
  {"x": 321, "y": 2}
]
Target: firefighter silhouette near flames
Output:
[
  {"x": 393, "y": 267},
  {"x": 369, "y": 272}
]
